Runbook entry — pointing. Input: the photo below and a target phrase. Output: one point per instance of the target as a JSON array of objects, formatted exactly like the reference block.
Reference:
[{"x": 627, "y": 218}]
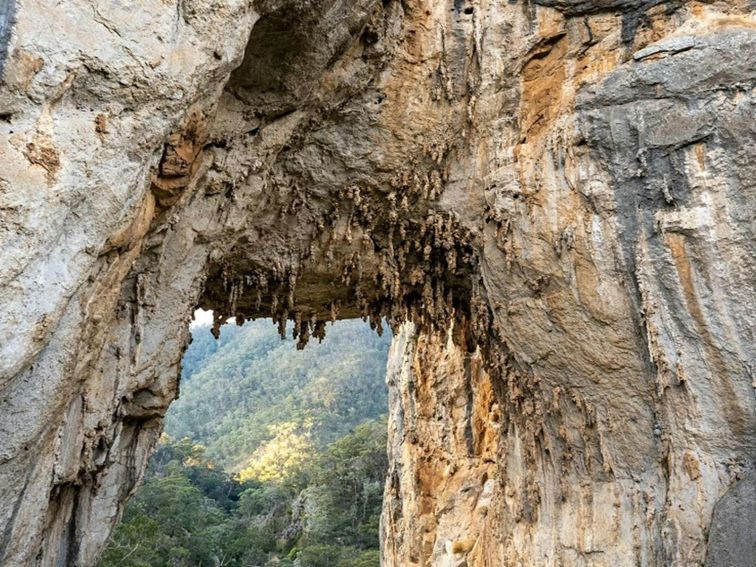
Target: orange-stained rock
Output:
[{"x": 551, "y": 201}]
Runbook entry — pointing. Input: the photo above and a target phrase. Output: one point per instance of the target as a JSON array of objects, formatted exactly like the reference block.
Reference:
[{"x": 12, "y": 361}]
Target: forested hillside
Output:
[
  {"x": 252, "y": 388},
  {"x": 272, "y": 456}
]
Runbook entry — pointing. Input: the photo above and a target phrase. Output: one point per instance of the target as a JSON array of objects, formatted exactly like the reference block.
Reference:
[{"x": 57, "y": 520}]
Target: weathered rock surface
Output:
[{"x": 553, "y": 200}]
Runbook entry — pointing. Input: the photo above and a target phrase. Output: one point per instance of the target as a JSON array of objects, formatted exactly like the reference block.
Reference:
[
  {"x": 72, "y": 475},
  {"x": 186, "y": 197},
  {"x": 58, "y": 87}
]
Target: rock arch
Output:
[{"x": 548, "y": 200}]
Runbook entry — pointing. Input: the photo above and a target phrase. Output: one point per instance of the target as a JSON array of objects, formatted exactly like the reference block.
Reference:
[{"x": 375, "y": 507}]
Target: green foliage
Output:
[
  {"x": 324, "y": 555},
  {"x": 188, "y": 513},
  {"x": 346, "y": 490},
  {"x": 304, "y": 428},
  {"x": 233, "y": 395},
  {"x": 172, "y": 521},
  {"x": 283, "y": 459}
]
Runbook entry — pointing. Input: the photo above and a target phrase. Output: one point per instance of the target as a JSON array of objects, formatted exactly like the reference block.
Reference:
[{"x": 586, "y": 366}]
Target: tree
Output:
[{"x": 302, "y": 432}]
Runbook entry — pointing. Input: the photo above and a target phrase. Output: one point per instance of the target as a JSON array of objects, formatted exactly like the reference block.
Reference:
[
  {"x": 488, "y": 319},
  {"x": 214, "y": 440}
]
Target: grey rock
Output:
[
  {"x": 732, "y": 536},
  {"x": 560, "y": 232},
  {"x": 6, "y": 25}
]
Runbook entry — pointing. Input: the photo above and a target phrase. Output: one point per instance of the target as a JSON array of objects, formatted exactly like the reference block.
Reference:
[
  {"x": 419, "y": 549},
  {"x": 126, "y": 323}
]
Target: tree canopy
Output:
[{"x": 273, "y": 456}]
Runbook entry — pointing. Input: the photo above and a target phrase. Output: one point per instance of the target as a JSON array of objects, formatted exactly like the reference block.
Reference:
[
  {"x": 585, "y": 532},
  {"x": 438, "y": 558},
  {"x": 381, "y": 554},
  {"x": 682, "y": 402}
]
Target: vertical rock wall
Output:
[
  {"x": 626, "y": 389},
  {"x": 557, "y": 194},
  {"x": 89, "y": 94}
]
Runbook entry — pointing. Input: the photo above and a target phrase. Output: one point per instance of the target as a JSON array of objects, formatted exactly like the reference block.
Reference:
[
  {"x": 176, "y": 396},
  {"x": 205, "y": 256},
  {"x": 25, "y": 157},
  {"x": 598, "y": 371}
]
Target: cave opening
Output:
[
  {"x": 273, "y": 454},
  {"x": 545, "y": 201}
]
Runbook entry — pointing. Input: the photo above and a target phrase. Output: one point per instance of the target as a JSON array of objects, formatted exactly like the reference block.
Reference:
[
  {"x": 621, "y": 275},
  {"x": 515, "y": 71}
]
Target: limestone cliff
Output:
[{"x": 553, "y": 200}]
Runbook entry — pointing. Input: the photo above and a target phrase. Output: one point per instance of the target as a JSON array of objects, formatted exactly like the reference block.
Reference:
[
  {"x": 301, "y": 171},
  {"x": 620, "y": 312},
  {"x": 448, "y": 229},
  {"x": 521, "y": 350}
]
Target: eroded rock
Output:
[{"x": 552, "y": 201}]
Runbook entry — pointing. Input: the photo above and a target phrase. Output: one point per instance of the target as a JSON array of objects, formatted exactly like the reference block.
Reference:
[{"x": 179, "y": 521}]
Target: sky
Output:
[{"x": 201, "y": 318}]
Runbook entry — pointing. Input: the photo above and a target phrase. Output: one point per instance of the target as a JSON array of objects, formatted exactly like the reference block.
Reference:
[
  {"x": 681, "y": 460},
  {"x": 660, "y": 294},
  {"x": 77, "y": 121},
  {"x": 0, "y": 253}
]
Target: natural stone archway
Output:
[{"x": 552, "y": 201}]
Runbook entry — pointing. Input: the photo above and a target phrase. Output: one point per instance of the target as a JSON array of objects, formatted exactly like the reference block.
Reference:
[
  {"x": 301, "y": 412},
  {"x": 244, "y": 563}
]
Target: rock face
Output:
[{"x": 553, "y": 202}]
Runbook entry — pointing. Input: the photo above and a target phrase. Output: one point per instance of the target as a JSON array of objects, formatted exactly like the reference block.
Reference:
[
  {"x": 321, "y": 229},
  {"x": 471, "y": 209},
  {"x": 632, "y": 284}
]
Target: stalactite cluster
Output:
[{"x": 395, "y": 257}]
